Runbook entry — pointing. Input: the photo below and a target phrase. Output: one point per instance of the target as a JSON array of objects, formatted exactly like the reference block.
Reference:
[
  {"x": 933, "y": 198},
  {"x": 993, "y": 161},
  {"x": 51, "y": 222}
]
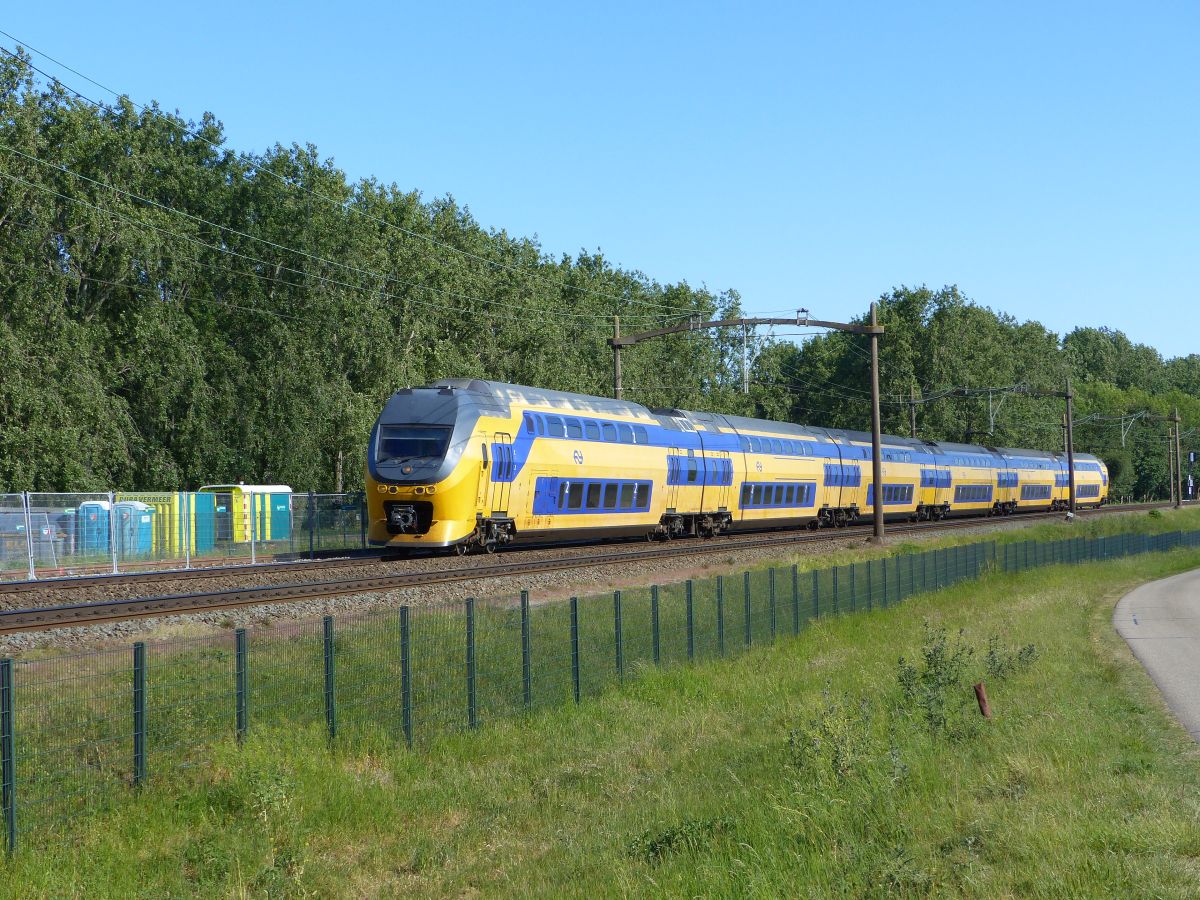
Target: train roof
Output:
[{"x": 498, "y": 394}]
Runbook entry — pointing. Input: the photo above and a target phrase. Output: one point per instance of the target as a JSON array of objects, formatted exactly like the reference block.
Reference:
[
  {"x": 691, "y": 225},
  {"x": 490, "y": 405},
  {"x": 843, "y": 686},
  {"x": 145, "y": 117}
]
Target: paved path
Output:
[{"x": 1161, "y": 623}]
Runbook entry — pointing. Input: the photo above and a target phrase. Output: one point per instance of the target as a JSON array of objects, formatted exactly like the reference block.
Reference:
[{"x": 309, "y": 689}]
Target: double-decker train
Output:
[{"x": 479, "y": 464}]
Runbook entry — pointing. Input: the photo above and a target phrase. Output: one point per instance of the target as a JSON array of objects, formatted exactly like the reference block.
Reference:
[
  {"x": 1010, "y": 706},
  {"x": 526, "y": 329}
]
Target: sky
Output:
[{"x": 1041, "y": 156}]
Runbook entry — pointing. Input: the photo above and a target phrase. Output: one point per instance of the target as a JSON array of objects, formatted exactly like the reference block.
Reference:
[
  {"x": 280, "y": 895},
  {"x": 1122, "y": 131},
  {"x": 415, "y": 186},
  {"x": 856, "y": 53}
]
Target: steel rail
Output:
[
  {"x": 359, "y": 557},
  {"x": 99, "y": 612}
]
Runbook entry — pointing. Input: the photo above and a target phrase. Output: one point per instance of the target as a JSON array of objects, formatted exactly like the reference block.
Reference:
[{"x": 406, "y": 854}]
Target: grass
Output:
[{"x": 800, "y": 768}]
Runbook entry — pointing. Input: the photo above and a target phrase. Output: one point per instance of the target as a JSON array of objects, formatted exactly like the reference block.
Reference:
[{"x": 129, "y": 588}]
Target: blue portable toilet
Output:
[
  {"x": 135, "y": 528},
  {"x": 91, "y": 532}
]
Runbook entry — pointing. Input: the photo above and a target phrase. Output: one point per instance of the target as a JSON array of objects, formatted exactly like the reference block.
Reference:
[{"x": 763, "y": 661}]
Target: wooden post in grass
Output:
[{"x": 985, "y": 708}]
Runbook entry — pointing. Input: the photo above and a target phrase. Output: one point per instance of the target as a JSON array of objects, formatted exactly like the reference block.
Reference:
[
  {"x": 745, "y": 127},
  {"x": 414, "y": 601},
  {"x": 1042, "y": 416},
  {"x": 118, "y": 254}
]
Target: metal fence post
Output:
[
  {"x": 253, "y": 498},
  {"x": 795, "y": 600},
  {"x": 472, "y": 722},
  {"x": 312, "y": 525},
  {"x": 139, "y": 713},
  {"x": 655, "y": 637},
  {"x": 526, "y": 653},
  {"x": 835, "y": 590},
  {"x": 885, "y": 581},
  {"x": 618, "y": 635},
  {"x": 242, "y": 681},
  {"x": 112, "y": 529},
  {"x": 816, "y": 594},
  {"x": 870, "y": 585},
  {"x": 575, "y": 647},
  {"x": 771, "y": 600},
  {"x": 362, "y": 519},
  {"x": 746, "y": 606},
  {"x": 853, "y": 587},
  {"x": 406, "y": 676},
  {"x": 8, "y": 754},
  {"x": 330, "y": 696},
  {"x": 721, "y": 615},
  {"x": 691, "y": 621},
  {"x": 187, "y": 529},
  {"x": 29, "y": 535}
]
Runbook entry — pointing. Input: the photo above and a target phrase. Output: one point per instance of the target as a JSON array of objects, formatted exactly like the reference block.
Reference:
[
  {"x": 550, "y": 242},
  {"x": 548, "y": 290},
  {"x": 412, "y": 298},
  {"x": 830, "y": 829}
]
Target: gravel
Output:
[{"x": 542, "y": 586}]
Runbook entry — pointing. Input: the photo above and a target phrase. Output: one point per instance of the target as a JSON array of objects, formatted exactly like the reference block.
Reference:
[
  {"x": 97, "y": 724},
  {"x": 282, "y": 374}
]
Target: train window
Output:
[
  {"x": 639, "y": 488},
  {"x": 528, "y": 424},
  {"x": 640, "y": 436},
  {"x": 610, "y": 431},
  {"x": 562, "y": 494},
  {"x": 554, "y": 426},
  {"x": 746, "y": 492},
  {"x": 745, "y": 442},
  {"x": 756, "y": 498},
  {"x": 574, "y": 429},
  {"x": 790, "y": 495},
  {"x": 593, "y": 495},
  {"x": 626, "y": 433},
  {"x": 776, "y": 445},
  {"x": 692, "y": 470},
  {"x": 626, "y": 496},
  {"x": 575, "y": 496},
  {"x": 541, "y": 425},
  {"x": 591, "y": 431},
  {"x": 778, "y": 495},
  {"x": 610, "y": 495}
]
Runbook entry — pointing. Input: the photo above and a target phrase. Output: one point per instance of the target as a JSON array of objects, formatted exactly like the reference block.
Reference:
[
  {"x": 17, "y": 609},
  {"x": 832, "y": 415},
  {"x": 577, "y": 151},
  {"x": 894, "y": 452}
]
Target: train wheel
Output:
[
  {"x": 462, "y": 549},
  {"x": 489, "y": 546}
]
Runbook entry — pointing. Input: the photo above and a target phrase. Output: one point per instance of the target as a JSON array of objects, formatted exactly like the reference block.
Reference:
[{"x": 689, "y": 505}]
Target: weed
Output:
[
  {"x": 837, "y": 738},
  {"x": 1001, "y": 663},
  {"x": 937, "y": 685},
  {"x": 691, "y": 835}
]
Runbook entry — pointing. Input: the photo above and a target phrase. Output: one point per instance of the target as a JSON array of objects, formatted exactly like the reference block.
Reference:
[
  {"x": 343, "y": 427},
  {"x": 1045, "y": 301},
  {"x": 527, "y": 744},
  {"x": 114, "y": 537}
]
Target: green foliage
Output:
[
  {"x": 137, "y": 354},
  {"x": 690, "y": 836},
  {"x": 936, "y": 341}
]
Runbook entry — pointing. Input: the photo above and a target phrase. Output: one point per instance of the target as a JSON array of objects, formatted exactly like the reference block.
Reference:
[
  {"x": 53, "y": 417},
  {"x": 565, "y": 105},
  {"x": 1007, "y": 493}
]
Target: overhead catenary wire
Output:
[{"x": 680, "y": 311}]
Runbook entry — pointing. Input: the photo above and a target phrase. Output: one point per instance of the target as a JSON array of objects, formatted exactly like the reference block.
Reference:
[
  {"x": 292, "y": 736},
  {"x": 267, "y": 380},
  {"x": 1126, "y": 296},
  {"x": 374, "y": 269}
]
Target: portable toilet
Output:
[
  {"x": 134, "y": 528},
  {"x": 91, "y": 532},
  {"x": 239, "y": 508}
]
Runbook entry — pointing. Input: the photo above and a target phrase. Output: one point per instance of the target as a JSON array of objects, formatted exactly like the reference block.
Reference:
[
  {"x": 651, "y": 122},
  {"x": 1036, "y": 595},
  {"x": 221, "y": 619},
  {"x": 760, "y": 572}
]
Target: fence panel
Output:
[{"x": 85, "y": 725}]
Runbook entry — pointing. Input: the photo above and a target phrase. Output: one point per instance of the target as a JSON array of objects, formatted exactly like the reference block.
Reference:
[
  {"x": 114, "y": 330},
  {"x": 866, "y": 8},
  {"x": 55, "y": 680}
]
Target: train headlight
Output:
[
  {"x": 419, "y": 490},
  {"x": 382, "y": 488}
]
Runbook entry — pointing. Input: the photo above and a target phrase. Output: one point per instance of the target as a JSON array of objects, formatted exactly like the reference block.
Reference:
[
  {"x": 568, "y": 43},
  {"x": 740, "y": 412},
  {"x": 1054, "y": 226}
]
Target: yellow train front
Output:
[{"x": 477, "y": 464}]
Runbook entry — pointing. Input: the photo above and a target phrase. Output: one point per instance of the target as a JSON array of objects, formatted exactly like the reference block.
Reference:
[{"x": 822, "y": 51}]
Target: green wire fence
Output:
[{"x": 78, "y": 731}]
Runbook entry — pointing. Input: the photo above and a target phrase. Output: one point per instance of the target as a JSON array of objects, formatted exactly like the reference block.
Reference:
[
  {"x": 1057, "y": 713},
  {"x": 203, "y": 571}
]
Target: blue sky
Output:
[{"x": 1041, "y": 156}]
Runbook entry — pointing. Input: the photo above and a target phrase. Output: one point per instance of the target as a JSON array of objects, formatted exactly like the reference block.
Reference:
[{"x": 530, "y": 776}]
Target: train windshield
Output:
[{"x": 398, "y": 443}]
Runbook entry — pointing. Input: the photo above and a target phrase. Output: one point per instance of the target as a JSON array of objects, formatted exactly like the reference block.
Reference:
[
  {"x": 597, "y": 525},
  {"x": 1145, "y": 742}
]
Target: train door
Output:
[
  {"x": 720, "y": 469},
  {"x": 499, "y": 479},
  {"x": 674, "y": 477},
  {"x": 542, "y": 499}
]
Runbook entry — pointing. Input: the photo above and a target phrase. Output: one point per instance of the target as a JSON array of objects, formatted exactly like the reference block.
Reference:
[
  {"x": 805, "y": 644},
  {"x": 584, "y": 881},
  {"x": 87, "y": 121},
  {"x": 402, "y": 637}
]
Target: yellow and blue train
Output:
[{"x": 479, "y": 464}]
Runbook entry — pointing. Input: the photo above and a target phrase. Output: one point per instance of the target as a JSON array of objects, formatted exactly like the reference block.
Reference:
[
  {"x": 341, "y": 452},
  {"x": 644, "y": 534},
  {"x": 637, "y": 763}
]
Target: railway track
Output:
[
  {"x": 355, "y": 558},
  {"x": 77, "y": 614}
]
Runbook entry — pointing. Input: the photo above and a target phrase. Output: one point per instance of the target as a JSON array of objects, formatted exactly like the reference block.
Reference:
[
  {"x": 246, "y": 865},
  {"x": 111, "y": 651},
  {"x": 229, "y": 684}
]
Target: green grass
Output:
[{"x": 759, "y": 775}]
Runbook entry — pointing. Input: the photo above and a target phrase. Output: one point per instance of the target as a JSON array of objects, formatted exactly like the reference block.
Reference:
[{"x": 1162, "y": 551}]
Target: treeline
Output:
[
  {"x": 257, "y": 335},
  {"x": 174, "y": 313},
  {"x": 938, "y": 341}
]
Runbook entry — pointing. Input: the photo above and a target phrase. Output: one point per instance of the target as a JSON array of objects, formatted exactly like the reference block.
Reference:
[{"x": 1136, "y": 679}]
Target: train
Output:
[{"x": 478, "y": 465}]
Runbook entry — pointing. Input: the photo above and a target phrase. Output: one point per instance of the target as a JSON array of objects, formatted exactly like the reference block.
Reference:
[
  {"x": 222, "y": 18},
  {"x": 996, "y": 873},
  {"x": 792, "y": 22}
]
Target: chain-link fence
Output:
[
  {"x": 56, "y": 535},
  {"x": 77, "y": 730}
]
